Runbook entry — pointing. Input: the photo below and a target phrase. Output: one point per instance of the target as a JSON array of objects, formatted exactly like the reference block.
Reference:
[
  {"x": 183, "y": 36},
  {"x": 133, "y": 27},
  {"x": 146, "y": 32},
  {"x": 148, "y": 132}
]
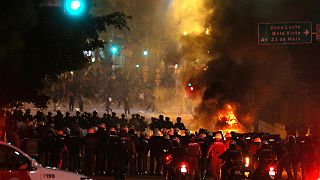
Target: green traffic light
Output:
[
  {"x": 75, "y": 7},
  {"x": 114, "y": 49},
  {"x": 189, "y": 84}
]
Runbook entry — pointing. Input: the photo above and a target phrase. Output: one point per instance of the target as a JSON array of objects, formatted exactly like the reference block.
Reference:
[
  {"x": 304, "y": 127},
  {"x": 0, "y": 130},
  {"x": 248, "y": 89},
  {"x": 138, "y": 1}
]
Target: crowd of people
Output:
[{"x": 110, "y": 145}]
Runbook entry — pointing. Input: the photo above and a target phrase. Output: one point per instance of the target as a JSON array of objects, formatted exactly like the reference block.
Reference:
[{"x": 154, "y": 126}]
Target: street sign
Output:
[
  {"x": 51, "y": 3},
  {"x": 285, "y": 33}
]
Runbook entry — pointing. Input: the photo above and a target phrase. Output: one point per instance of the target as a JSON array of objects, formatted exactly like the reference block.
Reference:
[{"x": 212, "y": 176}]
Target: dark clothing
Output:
[
  {"x": 58, "y": 156},
  {"x": 143, "y": 150},
  {"x": 73, "y": 144},
  {"x": 155, "y": 153},
  {"x": 101, "y": 150},
  {"x": 168, "y": 125},
  {"x": 89, "y": 148},
  {"x": 179, "y": 126},
  {"x": 231, "y": 157}
]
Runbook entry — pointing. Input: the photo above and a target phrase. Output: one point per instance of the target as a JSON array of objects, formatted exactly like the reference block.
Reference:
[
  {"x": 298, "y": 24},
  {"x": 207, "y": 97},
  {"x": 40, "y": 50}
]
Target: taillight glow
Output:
[
  {"x": 271, "y": 169},
  {"x": 247, "y": 162},
  {"x": 183, "y": 168}
]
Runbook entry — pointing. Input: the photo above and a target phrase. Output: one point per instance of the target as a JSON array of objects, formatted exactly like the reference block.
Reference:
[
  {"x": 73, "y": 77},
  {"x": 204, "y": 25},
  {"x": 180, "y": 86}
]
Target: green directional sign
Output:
[{"x": 285, "y": 33}]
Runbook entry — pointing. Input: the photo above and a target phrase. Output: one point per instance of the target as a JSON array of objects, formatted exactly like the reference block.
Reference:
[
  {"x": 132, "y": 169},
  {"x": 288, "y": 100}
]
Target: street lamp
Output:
[{"x": 145, "y": 53}]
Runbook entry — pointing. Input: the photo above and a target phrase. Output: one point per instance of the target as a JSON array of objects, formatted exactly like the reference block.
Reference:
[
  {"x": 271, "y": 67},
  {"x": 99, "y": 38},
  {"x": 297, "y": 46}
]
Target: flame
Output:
[{"x": 228, "y": 116}]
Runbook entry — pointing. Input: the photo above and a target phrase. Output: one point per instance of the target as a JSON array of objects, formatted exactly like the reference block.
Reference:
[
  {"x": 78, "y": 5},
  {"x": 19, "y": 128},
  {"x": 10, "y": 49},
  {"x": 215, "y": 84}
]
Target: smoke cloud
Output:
[{"x": 270, "y": 83}]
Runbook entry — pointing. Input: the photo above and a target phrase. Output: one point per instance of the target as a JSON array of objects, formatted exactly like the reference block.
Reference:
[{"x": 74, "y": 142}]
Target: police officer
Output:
[
  {"x": 155, "y": 152},
  {"x": 89, "y": 149},
  {"x": 122, "y": 157},
  {"x": 143, "y": 150},
  {"x": 230, "y": 157},
  {"x": 73, "y": 144},
  {"x": 102, "y": 136},
  {"x": 59, "y": 150},
  {"x": 112, "y": 150}
]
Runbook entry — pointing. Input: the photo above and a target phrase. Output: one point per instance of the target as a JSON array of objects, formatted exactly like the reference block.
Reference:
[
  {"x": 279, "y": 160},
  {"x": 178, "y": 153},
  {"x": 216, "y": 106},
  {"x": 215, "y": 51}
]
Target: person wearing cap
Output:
[
  {"x": 215, "y": 150},
  {"x": 231, "y": 156},
  {"x": 89, "y": 148},
  {"x": 102, "y": 136}
]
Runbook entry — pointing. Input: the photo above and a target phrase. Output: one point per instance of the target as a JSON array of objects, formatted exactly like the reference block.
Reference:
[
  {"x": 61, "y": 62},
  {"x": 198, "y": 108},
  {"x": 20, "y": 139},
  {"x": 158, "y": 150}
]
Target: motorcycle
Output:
[
  {"x": 268, "y": 171},
  {"x": 178, "y": 167}
]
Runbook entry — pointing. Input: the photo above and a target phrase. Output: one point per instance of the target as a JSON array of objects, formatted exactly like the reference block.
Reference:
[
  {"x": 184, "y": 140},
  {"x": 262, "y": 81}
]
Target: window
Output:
[{"x": 10, "y": 159}]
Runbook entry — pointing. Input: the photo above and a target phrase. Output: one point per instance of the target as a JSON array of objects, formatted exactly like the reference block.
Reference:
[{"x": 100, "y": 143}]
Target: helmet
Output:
[
  {"x": 202, "y": 135},
  {"x": 291, "y": 139},
  {"x": 125, "y": 129},
  {"x": 90, "y": 131},
  {"x": 164, "y": 131},
  {"x": 177, "y": 140},
  {"x": 166, "y": 136},
  {"x": 228, "y": 135},
  {"x": 264, "y": 142},
  {"x": 60, "y": 132},
  {"x": 257, "y": 140},
  {"x": 232, "y": 143},
  {"x": 218, "y": 136},
  {"x": 102, "y": 125}
]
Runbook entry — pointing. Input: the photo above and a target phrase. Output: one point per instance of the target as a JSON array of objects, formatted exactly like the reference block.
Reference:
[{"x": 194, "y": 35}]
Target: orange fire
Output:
[{"x": 228, "y": 116}]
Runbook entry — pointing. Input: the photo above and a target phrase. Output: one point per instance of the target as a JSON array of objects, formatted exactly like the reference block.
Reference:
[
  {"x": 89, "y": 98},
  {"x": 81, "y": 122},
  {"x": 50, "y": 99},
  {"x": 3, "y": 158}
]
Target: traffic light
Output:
[
  {"x": 189, "y": 84},
  {"x": 114, "y": 50},
  {"x": 75, "y": 7}
]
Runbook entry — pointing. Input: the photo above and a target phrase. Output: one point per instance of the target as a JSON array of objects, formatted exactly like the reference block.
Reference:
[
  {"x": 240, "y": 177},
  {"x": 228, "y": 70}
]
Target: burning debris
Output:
[{"x": 227, "y": 120}]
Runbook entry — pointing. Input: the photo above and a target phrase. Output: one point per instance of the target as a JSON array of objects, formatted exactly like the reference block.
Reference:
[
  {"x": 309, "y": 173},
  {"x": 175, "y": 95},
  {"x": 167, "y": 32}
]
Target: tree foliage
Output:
[{"x": 39, "y": 43}]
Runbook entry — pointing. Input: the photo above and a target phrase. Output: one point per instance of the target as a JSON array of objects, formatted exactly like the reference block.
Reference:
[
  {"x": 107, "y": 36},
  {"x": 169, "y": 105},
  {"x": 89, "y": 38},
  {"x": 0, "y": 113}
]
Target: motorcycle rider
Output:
[
  {"x": 230, "y": 157},
  {"x": 263, "y": 156},
  {"x": 215, "y": 150}
]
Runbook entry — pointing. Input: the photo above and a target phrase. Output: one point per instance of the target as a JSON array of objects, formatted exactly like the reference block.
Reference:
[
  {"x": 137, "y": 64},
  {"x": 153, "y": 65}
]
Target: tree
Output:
[{"x": 39, "y": 43}]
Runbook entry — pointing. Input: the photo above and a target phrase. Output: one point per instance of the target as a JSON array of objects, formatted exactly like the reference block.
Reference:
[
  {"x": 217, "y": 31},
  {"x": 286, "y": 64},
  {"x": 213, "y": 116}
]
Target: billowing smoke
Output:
[{"x": 271, "y": 83}]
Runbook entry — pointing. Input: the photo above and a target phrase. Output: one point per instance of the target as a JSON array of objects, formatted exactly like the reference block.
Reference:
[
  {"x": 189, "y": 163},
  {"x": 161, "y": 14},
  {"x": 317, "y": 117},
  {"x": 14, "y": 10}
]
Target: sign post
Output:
[{"x": 285, "y": 33}]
